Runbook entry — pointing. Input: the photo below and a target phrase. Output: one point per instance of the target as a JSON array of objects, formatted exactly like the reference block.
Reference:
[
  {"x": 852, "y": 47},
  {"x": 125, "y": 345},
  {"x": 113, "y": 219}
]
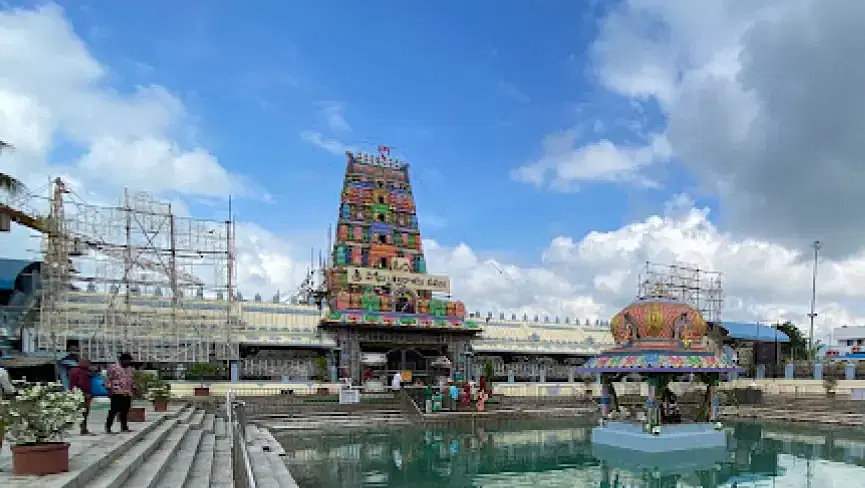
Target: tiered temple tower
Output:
[{"x": 377, "y": 287}]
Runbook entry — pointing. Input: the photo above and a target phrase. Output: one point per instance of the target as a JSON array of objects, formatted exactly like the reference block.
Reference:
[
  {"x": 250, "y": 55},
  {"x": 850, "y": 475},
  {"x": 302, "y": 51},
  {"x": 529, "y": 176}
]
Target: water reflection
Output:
[{"x": 559, "y": 455}]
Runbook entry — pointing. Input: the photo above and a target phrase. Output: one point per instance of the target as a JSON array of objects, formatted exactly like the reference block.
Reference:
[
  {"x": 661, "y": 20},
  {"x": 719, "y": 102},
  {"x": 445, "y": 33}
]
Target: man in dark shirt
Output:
[{"x": 79, "y": 378}]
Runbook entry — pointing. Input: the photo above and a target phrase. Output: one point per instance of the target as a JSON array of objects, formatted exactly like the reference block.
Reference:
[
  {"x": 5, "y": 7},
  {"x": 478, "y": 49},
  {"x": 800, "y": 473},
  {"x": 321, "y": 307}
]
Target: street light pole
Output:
[{"x": 816, "y": 246}]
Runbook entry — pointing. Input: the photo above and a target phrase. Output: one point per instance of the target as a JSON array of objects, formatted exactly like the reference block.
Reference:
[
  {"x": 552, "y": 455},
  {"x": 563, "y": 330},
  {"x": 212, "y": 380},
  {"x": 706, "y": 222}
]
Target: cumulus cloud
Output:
[
  {"x": 594, "y": 276},
  {"x": 54, "y": 93},
  {"x": 762, "y": 104},
  {"x": 564, "y": 165},
  {"x": 330, "y": 145},
  {"x": 331, "y": 112}
]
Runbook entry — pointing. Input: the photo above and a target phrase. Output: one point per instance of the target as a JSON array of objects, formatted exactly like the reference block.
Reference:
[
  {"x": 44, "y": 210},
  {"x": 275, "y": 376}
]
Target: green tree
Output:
[
  {"x": 798, "y": 347},
  {"x": 8, "y": 183}
]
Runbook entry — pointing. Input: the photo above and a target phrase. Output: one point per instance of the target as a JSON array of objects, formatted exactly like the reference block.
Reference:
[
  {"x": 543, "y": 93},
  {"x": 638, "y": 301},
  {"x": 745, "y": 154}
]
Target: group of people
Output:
[
  {"x": 120, "y": 388},
  {"x": 460, "y": 397}
]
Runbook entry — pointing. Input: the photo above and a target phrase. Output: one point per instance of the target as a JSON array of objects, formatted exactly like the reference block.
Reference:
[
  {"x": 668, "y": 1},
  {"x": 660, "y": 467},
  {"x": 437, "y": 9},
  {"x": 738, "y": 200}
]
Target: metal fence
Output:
[{"x": 236, "y": 419}]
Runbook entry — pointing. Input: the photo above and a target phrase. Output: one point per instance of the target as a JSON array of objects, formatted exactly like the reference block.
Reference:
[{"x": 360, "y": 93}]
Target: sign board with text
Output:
[{"x": 397, "y": 279}]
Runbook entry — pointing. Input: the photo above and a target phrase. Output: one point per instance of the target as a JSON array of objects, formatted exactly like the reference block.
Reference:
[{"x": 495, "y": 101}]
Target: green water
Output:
[{"x": 557, "y": 454}]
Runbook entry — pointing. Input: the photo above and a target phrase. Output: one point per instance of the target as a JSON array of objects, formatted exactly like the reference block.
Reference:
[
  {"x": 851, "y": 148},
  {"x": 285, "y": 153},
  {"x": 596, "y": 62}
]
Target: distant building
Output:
[
  {"x": 848, "y": 343},
  {"x": 752, "y": 345}
]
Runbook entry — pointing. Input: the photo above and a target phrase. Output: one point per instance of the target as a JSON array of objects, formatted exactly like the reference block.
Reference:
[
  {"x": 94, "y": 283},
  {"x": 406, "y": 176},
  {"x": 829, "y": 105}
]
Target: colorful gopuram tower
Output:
[{"x": 378, "y": 290}]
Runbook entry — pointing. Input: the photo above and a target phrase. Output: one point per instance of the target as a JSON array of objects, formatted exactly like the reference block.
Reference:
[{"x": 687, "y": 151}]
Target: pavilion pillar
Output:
[
  {"x": 605, "y": 400},
  {"x": 714, "y": 413},
  {"x": 652, "y": 403}
]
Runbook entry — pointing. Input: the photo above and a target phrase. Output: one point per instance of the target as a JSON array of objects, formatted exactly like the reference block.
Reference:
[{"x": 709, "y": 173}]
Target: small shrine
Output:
[{"x": 661, "y": 339}]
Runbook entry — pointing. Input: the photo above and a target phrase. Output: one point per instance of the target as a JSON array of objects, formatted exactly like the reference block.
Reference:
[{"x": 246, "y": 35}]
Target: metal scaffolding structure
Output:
[
  {"x": 137, "y": 278},
  {"x": 697, "y": 287}
]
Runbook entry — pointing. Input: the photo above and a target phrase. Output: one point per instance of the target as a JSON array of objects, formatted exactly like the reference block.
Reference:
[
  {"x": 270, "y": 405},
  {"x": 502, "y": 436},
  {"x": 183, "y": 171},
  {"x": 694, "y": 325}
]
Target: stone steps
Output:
[
  {"x": 348, "y": 422},
  {"x": 267, "y": 459},
  {"x": 182, "y": 448}
]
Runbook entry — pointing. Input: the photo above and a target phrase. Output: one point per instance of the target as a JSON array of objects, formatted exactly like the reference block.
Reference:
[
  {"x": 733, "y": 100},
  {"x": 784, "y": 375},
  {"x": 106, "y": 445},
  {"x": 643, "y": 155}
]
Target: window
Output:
[
  {"x": 382, "y": 239},
  {"x": 381, "y": 199},
  {"x": 382, "y": 263},
  {"x": 380, "y": 217}
]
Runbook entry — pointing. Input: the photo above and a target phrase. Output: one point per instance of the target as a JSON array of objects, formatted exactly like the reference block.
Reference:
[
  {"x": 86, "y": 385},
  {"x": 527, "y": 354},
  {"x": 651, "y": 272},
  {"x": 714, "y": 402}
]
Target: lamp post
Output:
[{"x": 816, "y": 246}]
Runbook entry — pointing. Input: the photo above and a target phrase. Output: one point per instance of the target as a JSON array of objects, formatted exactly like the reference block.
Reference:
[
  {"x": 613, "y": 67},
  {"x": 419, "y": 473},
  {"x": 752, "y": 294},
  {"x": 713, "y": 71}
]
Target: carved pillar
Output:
[
  {"x": 354, "y": 357},
  {"x": 652, "y": 403},
  {"x": 342, "y": 339},
  {"x": 605, "y": 400},
  {"x": 714, "y": 414}
]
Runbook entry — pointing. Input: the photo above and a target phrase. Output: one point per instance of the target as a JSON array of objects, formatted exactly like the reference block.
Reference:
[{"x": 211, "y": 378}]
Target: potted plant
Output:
[
  {"x": 141, "y": 382},
  {"x": 489, "y": 373},
  {"x": 321, "y": 374},
  {"x": 200, "y": 370},
  {"x": 35, "y": 422},
  {"x": 160, "y": 394},
  {"x": 829, "y": 384}
]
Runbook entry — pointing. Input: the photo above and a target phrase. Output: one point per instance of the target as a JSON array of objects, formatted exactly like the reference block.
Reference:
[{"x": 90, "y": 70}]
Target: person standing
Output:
[
  {"x": 80, "y": 379},
  {"x": 6, "y": 390},
  {"x": 120, "y": 391}
]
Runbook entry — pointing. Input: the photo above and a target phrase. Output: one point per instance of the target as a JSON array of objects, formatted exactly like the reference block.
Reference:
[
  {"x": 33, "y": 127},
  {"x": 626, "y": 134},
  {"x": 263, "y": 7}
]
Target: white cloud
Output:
[
  {"x": 53, "y": 91},
  {"x": 762, "y": 102},
  {"x": 563, "y": 166},
  {"x": 597, "y": 275},
  {"x": 331, "y": 112},
  {"x": 330, "y": 145}
]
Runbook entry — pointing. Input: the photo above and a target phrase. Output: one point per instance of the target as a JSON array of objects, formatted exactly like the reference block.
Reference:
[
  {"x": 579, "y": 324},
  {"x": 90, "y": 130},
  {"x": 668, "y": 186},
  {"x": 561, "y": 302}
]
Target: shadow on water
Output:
[{"x": 559, "y": 454}]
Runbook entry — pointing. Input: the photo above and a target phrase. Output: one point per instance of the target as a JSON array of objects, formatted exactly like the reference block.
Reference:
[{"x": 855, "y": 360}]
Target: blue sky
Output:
[
  {"x": 466, "y": 98},
  {"x": 523, "y": 121}
]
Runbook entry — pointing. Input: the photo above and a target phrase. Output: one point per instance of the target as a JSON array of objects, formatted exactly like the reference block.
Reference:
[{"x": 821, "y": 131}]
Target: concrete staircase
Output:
[
  {"x": 181, "y": 451},
  {"x": 266, "y": 455},
  {"x": 182, "y": 448},
  {"x": 336, "y": 420}
]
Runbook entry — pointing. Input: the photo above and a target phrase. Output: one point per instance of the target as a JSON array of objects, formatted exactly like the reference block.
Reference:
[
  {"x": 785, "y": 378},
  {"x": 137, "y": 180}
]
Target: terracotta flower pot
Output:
[
  {"x": 201, "y": 391},
  {"x": 137, "y": 414},
  {"x": 160, "y": 405},
  {"x": 39, "y": 459}
]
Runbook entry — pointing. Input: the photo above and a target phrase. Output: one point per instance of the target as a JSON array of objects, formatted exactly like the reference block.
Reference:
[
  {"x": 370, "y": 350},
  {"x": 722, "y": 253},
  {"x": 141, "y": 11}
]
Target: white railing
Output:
[{"x": 235, "y": 412}]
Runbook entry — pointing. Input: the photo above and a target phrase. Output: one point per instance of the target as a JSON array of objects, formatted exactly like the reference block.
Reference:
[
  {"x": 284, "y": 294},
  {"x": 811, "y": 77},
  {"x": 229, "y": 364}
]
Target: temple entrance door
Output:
[{"x": 399, "y": 360}]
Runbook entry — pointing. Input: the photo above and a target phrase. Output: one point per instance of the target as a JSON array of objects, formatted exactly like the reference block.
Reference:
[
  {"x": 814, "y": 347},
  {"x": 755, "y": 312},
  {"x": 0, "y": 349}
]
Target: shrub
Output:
[
  {"x": 141, "y": 382},
  {"x": 159, "y": 391},
  {"x": 41, "y": 413},
  {"x": 202, "y": 370}
]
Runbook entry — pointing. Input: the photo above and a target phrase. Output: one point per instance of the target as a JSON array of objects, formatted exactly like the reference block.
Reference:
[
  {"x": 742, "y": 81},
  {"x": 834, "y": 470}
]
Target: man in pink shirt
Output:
[{"x": 120, "y": 388}]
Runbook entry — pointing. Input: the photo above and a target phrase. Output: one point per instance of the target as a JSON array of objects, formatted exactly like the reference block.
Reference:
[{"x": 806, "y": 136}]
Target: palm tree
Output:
[{"x": 8, "y": 183}]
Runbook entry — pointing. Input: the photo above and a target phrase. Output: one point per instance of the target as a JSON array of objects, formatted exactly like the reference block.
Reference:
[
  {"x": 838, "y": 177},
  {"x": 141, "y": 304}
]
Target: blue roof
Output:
[
  {"x": 9, "y": 271},
  {"x": 754, "y": 332}
]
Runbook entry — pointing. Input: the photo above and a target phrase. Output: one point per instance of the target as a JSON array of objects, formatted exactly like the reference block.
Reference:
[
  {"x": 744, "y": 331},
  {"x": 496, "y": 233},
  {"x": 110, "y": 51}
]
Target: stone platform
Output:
[
  {"x": 660, "y": 462},
  {"x": 674, "y": 437}
]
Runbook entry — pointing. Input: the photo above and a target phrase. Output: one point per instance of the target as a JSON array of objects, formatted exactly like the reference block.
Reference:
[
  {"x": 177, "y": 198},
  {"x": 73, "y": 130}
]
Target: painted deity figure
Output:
[
  {"x": 679, "y": 327},
  {"x": 630, "y": 327}
]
